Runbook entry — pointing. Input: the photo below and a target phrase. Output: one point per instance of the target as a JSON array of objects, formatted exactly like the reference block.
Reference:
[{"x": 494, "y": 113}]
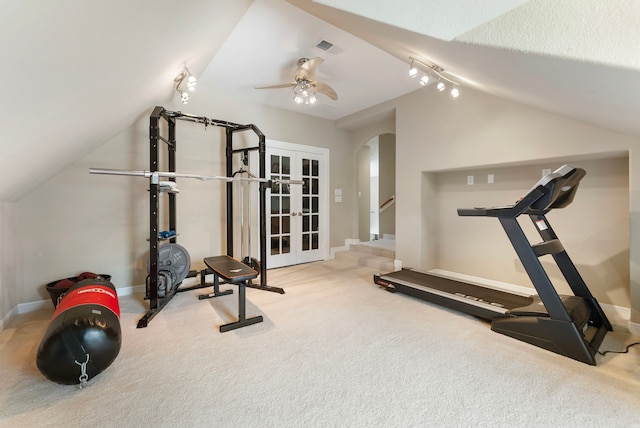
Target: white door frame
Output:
[{"x": 325, "y": 153}]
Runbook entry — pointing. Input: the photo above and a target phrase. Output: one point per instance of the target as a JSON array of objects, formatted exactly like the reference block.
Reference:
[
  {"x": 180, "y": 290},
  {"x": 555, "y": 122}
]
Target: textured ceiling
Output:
[{"x": 441, "y": 19}]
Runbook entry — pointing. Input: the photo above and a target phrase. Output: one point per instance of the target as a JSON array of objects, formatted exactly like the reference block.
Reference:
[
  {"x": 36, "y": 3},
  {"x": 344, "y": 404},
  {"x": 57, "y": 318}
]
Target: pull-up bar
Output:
[
  {"x": 207, "y": 121},
  {"x": 156, "y": 174}
]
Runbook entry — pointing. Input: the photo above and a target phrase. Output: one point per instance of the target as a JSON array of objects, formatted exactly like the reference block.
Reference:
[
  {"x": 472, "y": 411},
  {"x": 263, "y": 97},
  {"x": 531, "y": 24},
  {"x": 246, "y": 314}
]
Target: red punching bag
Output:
[{"x": 83, "y": 337}]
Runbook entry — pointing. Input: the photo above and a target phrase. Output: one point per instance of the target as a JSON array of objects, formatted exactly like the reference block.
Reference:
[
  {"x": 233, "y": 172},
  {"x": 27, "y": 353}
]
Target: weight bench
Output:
[{"x": 232, "y": 272}]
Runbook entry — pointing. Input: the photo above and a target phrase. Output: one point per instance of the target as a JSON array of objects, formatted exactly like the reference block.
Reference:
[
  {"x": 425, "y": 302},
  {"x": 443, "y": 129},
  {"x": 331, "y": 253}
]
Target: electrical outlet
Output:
[
  {"x": 469, "y": 180},
  {"x": 490, "y": 178}
]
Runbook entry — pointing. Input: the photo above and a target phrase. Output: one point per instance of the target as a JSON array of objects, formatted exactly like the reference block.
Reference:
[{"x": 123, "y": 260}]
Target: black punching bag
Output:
[{"x": 83, "y": 337}]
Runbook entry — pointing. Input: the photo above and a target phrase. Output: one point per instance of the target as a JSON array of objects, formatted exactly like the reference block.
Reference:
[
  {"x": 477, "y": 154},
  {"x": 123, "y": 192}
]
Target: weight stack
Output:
[{"x": 84, "y": 336}]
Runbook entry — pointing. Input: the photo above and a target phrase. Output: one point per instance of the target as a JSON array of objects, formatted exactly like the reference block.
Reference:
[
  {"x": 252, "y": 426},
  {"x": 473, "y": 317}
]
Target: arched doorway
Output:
[{"x": 376, "y": 188}]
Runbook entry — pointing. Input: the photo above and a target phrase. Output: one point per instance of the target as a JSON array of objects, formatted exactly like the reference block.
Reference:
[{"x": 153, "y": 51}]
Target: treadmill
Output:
[{"x": 573, "y": 325}]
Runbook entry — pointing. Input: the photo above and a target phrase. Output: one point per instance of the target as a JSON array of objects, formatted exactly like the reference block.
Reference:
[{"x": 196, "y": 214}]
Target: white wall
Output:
[
  {"x": 8, "y": 260},
  {"x": 77, "y": 221},
  {"x": 387, "y": 182},
  {"x": 363, "y": 193},
  {"x": 594, "y": 229},
  {"x": 362, "y": 127}
]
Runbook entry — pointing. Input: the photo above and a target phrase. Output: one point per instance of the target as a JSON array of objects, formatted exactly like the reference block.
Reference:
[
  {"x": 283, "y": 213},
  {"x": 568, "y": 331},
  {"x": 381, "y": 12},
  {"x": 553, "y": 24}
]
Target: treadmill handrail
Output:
[
  {"x": 508, "y": 210},
  {"x": 551, "y": 185}
]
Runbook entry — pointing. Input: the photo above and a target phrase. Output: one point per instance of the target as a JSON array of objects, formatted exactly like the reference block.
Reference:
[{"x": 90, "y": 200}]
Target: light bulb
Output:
[
  {"x": 424, "y": 80},
  {"x": 440, "y": 86},
  {"x": 298, "y": 99},
  {"x": 455, "y": 92},
  {"x": 312, "y": 99}
]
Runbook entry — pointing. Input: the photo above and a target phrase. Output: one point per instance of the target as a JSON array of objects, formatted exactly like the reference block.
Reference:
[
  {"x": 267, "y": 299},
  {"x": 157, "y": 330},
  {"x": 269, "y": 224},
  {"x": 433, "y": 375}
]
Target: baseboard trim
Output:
[
  {"x": 634, "y": 328},
  {"x": 345, "y": 247},
  {"x": 8, "y": 317},
  {"x": 24, "y": 308},
  {"x": 503, "y": 286},
  {"x": 335, "y": 250}
]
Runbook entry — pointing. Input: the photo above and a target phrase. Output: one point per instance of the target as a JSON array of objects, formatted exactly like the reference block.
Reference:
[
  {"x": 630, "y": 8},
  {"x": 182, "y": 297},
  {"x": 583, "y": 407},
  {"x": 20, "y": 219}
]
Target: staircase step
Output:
[
  {"x": 381, "y": 263},
  {"x": 377, "y": 251}
]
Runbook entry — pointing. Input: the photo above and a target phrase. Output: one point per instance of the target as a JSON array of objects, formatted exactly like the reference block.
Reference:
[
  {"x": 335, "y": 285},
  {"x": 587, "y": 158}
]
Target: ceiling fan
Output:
[{"x": 305, "y": 85}]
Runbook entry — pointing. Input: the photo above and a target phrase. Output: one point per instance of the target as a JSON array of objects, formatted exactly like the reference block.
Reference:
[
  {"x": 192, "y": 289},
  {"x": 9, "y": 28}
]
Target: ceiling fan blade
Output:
[
  {"x": 282, "y": 85},
  {"x": 307, "y": 68},
  {"x": 323, "y": 88}
]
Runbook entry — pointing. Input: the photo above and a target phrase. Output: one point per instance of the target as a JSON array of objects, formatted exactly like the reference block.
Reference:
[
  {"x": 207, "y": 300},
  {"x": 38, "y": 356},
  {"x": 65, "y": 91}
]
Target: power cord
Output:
[{"x": 620, "y": 352}]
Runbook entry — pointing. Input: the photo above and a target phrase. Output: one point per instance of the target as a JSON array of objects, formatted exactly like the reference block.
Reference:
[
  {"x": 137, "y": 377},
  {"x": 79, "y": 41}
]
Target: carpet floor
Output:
[{"x": 334, "y": 351}]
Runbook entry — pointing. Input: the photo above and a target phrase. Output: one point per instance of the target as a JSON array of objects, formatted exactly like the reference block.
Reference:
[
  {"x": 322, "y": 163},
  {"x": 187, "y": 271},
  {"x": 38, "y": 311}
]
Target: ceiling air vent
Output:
[
  {"x": 328, "y": 47},
  {"x": 324, "y": 45}
]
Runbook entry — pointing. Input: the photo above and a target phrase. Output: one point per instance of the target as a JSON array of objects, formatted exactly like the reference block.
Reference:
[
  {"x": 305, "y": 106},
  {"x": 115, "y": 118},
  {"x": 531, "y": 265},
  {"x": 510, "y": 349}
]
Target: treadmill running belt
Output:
[{"x": 499, "y": 299}]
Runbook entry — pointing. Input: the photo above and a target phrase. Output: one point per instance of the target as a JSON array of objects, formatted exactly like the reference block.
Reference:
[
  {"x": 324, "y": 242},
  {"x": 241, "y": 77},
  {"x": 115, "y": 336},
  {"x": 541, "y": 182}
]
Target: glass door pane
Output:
[
  {"x": 280, "y": 206},
  {"x": 295, "y": 220},
  {"x": 311, "y": 170}
]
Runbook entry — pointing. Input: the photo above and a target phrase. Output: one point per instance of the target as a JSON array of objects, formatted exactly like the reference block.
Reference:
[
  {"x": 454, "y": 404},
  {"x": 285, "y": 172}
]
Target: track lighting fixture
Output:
[
  {"x": 191, "y": 84},
  {"x": 433, "y": 71}
]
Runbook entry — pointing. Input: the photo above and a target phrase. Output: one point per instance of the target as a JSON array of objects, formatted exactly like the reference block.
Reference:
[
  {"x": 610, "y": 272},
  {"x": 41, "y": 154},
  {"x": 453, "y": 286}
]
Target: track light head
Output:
[
  {"x": 440, "y": 86},
  {"x": 413, "y": 72},
  {"x": 191, "y": 84},
  {"x": 455, "y": 92},
  {"x": 184, "y": 97}
]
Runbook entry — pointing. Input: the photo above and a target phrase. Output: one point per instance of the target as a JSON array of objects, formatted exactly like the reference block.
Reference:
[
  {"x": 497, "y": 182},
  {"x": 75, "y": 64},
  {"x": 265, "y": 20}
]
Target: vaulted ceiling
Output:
[{"x": 76, "y": 72}]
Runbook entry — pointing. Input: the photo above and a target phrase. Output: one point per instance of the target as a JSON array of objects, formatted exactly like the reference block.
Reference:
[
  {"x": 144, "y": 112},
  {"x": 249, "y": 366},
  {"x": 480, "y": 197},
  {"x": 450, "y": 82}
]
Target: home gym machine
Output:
[
  {"x": 573, "y": 326},
  {"x": 169, "y": 264}
]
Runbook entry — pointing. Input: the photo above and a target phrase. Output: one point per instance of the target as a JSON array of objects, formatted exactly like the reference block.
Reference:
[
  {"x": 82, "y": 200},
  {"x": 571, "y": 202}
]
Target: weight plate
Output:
[
  {"x": 175, "y": 259},
  {"x": 164, "y": 284}
]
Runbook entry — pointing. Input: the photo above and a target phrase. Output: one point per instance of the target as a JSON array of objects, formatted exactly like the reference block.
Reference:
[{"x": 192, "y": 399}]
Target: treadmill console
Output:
[{"x": 554, "y": 190}]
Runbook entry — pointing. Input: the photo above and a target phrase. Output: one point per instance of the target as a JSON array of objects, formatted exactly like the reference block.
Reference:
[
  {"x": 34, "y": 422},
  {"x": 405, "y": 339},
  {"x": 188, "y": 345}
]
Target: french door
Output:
[{"x": 297, "y": 216}]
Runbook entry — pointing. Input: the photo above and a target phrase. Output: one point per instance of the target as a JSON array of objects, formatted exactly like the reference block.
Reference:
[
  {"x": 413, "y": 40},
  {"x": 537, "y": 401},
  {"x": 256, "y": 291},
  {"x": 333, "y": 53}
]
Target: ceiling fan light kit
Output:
[
  {"x": 304, "y": 93},
  {"x": 305, "y": 86},
  {"x": 433, "y": 70}
]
